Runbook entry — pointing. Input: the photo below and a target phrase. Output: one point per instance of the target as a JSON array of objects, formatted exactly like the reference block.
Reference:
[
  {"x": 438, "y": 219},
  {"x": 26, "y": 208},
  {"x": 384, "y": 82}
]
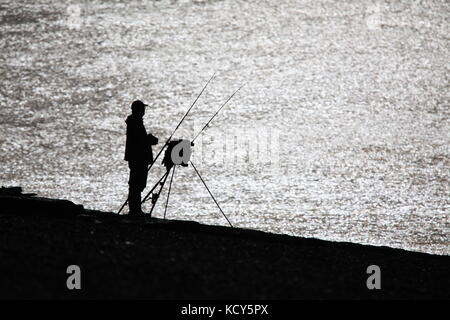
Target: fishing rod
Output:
[
  {"x": 196, "y": 171},
  {"x": 215, "y": 114},
  {"x": 182, "y": 119},
  {"x": 168, "y": 140}
]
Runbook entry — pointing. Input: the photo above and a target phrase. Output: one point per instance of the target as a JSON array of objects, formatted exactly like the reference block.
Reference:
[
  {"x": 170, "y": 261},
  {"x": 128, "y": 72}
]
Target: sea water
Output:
[{"x": 341, "y": 131}]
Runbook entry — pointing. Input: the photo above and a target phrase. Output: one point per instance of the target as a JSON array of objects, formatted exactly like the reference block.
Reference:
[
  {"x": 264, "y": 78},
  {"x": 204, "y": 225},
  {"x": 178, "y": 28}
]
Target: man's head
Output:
[{"x": 138, "y": 108}]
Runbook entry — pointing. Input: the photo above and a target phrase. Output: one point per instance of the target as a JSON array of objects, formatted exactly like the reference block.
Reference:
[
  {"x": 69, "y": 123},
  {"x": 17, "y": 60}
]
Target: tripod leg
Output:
[
  {"x": 159, "y": 192},
  {"x": 123, "y": 206},
  {"x": 168, "y": 193},
  {"x": 210, "y": 193},
  {"x": 153, "y": 188}
]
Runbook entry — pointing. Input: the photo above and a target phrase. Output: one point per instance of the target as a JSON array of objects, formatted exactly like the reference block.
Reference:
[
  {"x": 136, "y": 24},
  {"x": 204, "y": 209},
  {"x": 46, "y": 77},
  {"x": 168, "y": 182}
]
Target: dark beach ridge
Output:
[{"x": 121, "y": 257}]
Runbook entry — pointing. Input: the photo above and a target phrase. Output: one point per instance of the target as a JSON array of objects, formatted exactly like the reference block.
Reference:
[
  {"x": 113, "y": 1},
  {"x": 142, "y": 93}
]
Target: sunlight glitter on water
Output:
[{"x": 356, "y": 94}]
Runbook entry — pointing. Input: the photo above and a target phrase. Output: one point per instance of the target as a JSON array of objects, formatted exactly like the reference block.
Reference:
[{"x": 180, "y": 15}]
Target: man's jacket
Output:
[{"x": 138, "y": 145}]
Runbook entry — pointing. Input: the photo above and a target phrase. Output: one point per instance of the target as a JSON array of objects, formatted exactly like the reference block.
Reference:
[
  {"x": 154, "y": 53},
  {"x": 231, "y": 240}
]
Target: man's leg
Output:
[
  {"x": 135, "y": 188},
  {"x": 134, "y": 200}
]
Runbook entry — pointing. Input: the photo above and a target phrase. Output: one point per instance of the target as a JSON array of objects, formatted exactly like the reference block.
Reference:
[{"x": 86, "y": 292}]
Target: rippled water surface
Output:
[{"x": 346, "y": 108}]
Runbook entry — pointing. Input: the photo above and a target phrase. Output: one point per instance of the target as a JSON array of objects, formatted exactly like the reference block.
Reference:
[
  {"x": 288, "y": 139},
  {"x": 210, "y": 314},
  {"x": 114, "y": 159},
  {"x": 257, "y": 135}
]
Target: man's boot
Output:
[{"x": 134, "y": 202}]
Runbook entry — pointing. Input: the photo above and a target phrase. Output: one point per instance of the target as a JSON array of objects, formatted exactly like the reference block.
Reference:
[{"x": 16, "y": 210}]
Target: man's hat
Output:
[{"x": 137, "y": 104}]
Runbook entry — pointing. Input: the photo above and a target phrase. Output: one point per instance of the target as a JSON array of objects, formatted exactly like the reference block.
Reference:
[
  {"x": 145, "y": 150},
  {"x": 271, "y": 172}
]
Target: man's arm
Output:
[{"x": 152, "y": 140}]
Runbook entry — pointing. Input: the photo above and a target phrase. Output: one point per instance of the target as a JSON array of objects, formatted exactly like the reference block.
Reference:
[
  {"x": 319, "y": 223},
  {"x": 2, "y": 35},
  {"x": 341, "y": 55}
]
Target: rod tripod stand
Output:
[{"x": 162, "y": 181}]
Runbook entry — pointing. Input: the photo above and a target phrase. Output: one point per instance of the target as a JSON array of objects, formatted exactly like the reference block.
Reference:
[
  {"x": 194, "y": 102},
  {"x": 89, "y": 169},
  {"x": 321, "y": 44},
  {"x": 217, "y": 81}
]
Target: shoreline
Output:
[{"x": 120, "y": 257}]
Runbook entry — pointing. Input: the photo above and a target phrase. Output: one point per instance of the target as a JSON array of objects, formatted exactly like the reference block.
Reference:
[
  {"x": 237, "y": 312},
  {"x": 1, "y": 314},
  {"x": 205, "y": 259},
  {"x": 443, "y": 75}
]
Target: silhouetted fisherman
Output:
[{"x": 138, "y": 153}]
